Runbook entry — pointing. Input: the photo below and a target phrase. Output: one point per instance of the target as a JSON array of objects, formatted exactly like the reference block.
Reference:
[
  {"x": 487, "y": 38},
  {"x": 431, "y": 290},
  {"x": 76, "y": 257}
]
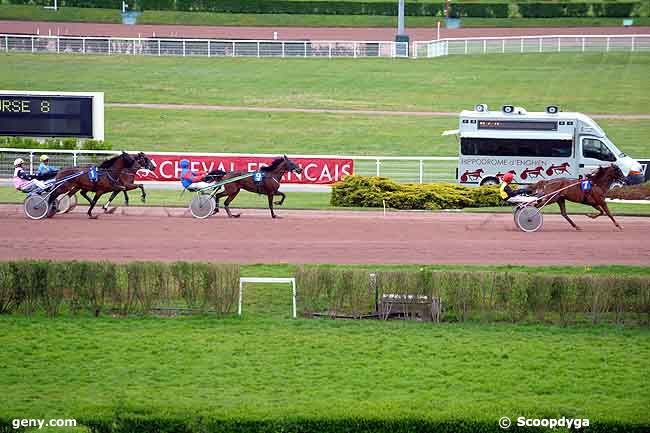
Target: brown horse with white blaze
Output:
[
  {"x": 563, "y": 189},
  {"x": 269, "y": 184}
]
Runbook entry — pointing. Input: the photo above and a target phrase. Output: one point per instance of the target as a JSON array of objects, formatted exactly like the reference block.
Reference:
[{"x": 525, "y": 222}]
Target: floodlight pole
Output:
[
  {"x": 54, "y": 8},
  {"x": 401, "y": 35}
]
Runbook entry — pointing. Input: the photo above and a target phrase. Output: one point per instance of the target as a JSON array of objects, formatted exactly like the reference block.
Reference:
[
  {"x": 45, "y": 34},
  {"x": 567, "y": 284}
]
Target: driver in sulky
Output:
[
  {"x": 199, "y": 179},
  {"x": 510, "y": 193}
]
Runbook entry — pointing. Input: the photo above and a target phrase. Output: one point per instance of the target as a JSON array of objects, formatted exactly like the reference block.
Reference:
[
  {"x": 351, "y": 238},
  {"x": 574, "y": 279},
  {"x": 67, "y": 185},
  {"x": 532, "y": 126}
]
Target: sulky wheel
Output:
[
  {"x": 529, "y": 219},
  {"x": 202, "y": 206},
  {"x": 36, "y": 207},
  {"x": 63, "y": 203},
  {"x": 73, "y": 203}
]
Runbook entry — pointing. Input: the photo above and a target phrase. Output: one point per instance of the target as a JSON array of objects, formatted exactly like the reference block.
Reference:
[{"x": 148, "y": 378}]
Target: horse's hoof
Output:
[
  {"x": 111, "y": 210},
  {"x": 578, "y": 229},
  {"x": 277, "y": 203},
  {"x": 237, "y": 215},
  {"x": 93, "y": 217}
]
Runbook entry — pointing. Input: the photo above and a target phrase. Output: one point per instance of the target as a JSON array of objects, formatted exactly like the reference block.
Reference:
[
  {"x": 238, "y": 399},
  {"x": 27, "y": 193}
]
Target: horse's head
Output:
[
  {"x": 606, "y": 176},
  {"x": 143, "y": 161},
  {"x": 292, "y": 166}
]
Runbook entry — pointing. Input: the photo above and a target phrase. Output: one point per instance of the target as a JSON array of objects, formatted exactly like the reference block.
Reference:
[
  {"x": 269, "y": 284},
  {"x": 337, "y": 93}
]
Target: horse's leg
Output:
[
  {"x": 609, "y": 214},
  {"x": 143, "y": 195},
  {"x": 279, "y": 203},
  {"x": 596, "y": 215},
  {"x": 92, "y": 205},
  {"x": 270, "y": 197},
  {"x": 562, "y": 205},
  {"x": 84, "y": 194},
  {"x": 110, "y": 199},
  {"x": 230, "y": 198}
]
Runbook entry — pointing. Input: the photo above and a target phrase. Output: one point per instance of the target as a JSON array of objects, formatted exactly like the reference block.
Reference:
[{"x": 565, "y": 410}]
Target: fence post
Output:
[
  {"x": 607, "y": 49},
  {"x": 74, "y": 159},
  {"x": 58, "y": 39},
  {"x": 233, "y": 48},
  {"x": 378, "y": 164},
  {"x": 208, "y": 48},
  {"x": 31, "y": 162},
  {"x": 283, "y": 49},
  {"x": 484, "y": 46},
  {"x": 465, "y": 46},
  {"x": 355, "y": 50},
  {"x": 258, "y": 48},
  {"x": 304, "y": 45},
  {"x": 7, "y": 43},
  {"x": 503, "y": 46},
  {"x": 158, "y": 47},
  {"x": 540, "y": 45},
  {"x": 183, "y": 47},
  {"x": 109, "y": 46},
  {"x": 522, "y": 45},
  {"x": 559, "y": 45},
  {"x": 632, "y": 43},
  {"x": 83, "y": 46},
  {"x": 330, "y": 49},
  {"x": 134, "y": 47},
  {"x": 583, "y": 44},
  {"x": 32, "y": 44},
  {"x": 421, "y": 171}
]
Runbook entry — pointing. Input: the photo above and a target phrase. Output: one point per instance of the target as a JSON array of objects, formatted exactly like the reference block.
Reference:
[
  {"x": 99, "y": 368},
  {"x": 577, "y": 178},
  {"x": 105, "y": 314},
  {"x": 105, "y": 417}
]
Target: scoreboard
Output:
[{"x": 52, "y": 114}]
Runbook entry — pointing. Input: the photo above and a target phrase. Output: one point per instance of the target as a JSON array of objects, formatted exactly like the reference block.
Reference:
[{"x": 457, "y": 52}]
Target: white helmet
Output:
[{"x": 18, "y": 162}]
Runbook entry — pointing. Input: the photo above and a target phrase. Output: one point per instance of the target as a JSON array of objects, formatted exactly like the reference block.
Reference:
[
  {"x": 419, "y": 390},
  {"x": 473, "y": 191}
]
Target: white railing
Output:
[
  {"x": 532, "y": 44},
  {"x": 400, "y": 169},
  {"x": 200, "y": 47}
]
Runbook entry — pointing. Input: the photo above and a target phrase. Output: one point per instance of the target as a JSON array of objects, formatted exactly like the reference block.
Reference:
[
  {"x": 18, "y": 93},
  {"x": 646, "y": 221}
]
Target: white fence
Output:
[
  {"x": 532, "y": 44},
  {"x": 200, "y": 47},
  {"x": 400, "y": 169}
]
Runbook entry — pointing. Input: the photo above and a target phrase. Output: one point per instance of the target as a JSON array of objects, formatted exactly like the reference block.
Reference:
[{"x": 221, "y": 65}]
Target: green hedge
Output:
[
  {"x": 481, "y": 296},
  {"x": 386, "y": 8},
  {"x": 54, "y": 143},
  {"x": 98, "y": 287},
  {"x": 360, "y": 191}
]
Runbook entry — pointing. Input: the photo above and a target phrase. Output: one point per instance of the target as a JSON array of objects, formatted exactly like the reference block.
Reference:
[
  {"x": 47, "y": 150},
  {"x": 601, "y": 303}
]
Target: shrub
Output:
[
  {"x": 360, "y": 191},
  {"x": 53, "y": 143}
]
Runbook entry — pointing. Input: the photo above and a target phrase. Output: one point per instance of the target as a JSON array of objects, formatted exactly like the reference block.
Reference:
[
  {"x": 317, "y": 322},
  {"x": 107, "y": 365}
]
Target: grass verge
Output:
[{"x": 98, "y": 15}]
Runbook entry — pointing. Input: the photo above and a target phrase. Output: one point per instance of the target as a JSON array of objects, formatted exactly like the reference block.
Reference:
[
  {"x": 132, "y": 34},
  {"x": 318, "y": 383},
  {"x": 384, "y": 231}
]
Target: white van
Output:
[{"x": 534, "y": 146}]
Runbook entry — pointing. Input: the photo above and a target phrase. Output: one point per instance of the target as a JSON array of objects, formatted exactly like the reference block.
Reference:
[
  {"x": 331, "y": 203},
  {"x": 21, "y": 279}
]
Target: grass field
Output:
[
  {"x": 303, "y": 200},
  {"x": 268, "y": 366},
  {"x": 97, "y": 15},
  {"x": 590, "y": 83},
  {"x": 311, "y": 133}
]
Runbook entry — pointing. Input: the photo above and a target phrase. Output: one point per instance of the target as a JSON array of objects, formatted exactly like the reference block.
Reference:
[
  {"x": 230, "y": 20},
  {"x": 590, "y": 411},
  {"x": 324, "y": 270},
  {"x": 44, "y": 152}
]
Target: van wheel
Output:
[{"x": 490, "y": 181}]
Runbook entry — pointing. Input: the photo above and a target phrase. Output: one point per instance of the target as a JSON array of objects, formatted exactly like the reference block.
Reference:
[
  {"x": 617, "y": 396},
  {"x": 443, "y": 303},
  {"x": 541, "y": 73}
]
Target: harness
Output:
[{"x": 258, "y": 180}]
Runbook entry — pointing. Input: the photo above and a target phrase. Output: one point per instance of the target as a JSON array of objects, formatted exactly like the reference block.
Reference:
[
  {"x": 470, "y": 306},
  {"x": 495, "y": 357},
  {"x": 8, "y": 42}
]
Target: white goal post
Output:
[{"x": 244, "y": 280}]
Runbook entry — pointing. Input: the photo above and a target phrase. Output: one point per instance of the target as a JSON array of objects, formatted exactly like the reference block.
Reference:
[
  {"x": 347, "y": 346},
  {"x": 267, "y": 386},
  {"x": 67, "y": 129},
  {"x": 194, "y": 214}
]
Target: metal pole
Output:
[
  {"x": 400, "y": 17},
  {"x": 305, "y": 48},
  {"x": 109, "y": 46},
  {"x": 355, "y": 50},
  {"x": 208, "y": 48},
  {"x": 378, "y": 164},
  {"x": 583, "y": 44},
  {"x": 632, "y": 43},
  {"x": 466, "y": 46},
  {"x": 522, "y": 45},
  {"x": 32, "y": 44},
  {"x": 607, "y": 49},
  {"x": 293, "y": 283},
  {"x": 484, "y": 46},
  {"x": 233, "y": 48},
  {"x": 241, "y": 289},
  {"x": 540, "y": 45},
  {"x": 158, "y": 47},
  {"x": 503, "y": 46},
  {"x": 421, "y": 170},
  {"x": 258, "y": 48},
  {"x": 7, "y": 43},
  {"x": 31, "y": 162},
  {"x": 83, "y": 45},
  {"x": 74, "y": 159},
  {"x": 330, "y": 50},
  {"x": 559, "y": 45},
  {"x": 282, "y": 48},
  {"x": 58, "y": 39},
  {"x": 183, "y": 47}
]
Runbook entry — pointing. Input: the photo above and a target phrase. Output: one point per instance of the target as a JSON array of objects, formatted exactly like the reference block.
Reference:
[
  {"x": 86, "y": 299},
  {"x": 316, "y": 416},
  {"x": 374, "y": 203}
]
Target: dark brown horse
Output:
[
  {"x": 268, "y": 184},
  {"x": 109, "y": 174},
  {"x": 127, "y": 178},
  {"x": 563, "y": 189}
]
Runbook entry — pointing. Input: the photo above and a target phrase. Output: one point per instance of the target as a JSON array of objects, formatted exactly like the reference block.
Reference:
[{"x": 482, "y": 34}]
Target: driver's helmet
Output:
[
  {"x": 507, "y": 178},
  {"x": 44, "y": 158},
  {"x": 18, "y": 161},
  {"x": 185, "y": 163}
]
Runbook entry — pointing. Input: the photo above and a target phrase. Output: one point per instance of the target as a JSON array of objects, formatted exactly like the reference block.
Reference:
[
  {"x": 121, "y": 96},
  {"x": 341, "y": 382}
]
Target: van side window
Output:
[
  {"x": 516, "y": 147},
  {"x": 596, "y": 149}
]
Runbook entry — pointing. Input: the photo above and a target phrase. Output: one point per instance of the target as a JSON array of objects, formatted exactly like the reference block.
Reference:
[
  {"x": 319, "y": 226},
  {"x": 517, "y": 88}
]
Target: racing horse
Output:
[
  {"x": 268, "y": 184},
  {"x": 127, "y": 178},
  {"x": 563, "y": 189},
  {"x": 110, "y": 174}
]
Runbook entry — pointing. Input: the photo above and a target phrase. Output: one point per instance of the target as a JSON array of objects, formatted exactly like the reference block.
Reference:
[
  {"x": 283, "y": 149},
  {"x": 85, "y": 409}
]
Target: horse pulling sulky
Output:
[{"x": 590, "y": 190}]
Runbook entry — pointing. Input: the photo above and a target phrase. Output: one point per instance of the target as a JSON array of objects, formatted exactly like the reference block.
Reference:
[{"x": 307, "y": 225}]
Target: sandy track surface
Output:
[
  {"x": 294, "y": 33},
  {"x": 321, "y": 237}
]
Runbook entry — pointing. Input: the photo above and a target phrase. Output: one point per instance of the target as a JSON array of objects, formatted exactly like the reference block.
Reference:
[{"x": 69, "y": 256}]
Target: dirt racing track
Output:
[{"x": 321, "y": 237}]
